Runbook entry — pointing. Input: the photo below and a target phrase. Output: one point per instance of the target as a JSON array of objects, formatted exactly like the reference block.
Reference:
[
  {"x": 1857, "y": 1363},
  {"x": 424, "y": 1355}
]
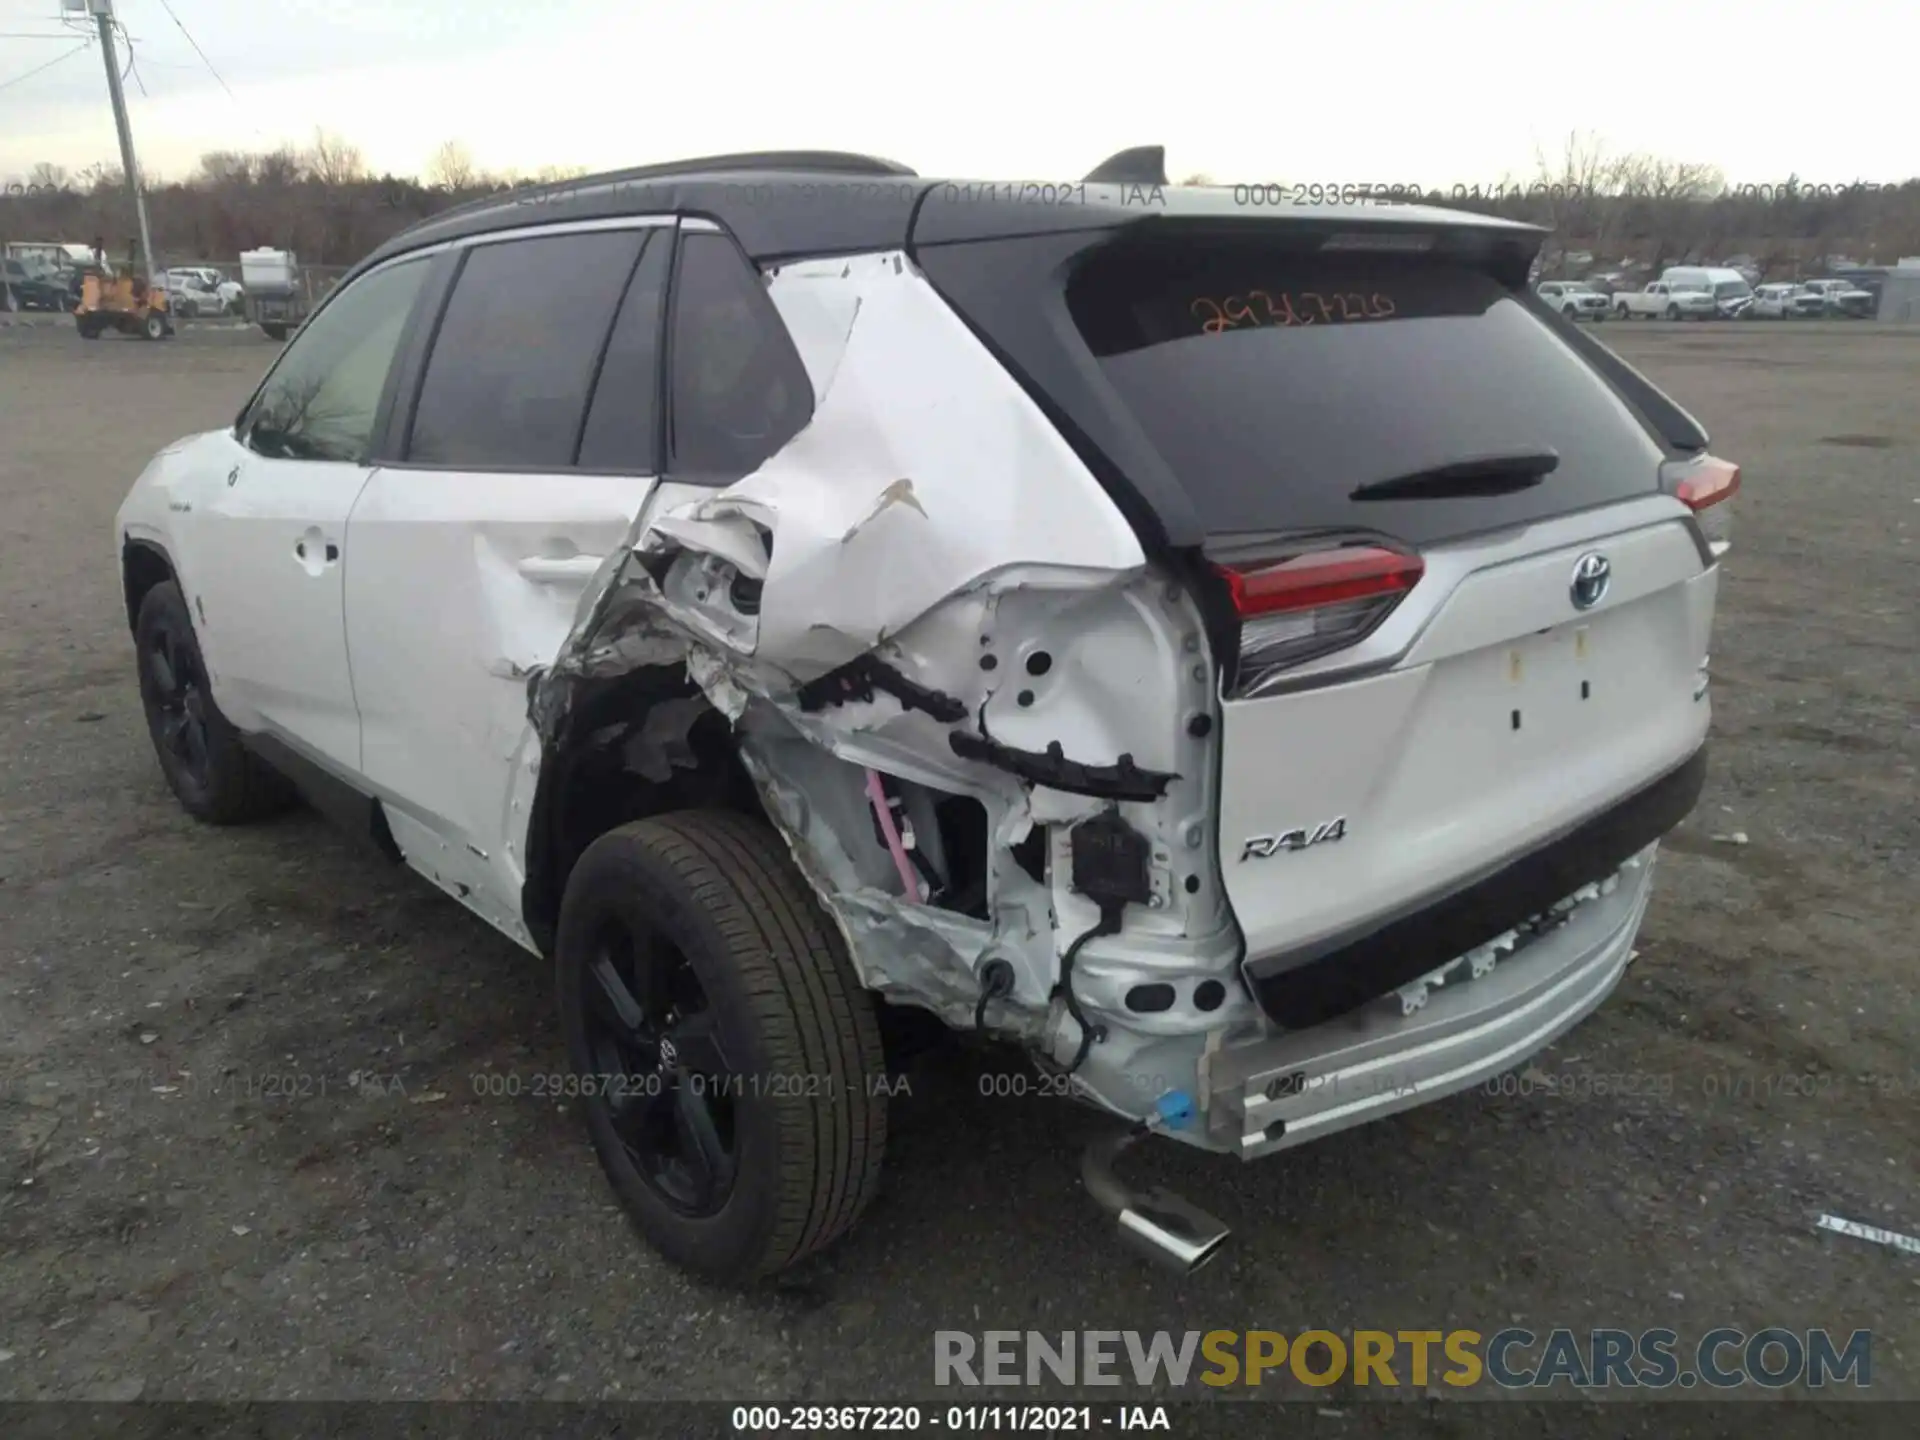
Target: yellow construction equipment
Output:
[{"x": 125, "y": 302}]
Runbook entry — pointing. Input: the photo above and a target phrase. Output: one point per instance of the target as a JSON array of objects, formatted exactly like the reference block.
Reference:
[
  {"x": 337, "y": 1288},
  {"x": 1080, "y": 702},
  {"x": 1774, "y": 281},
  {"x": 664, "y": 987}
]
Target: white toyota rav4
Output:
[{"x": 1245, "y": 659}]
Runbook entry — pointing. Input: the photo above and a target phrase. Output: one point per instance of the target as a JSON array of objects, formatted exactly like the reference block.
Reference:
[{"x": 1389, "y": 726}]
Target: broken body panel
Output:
[
  {"x": 943, "y": 603},
  {"x": 936, "y": 590}
]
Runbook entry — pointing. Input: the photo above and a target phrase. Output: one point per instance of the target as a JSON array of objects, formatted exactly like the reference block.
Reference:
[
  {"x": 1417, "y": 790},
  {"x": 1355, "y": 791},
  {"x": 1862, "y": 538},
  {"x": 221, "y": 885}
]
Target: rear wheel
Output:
[
  {"x": 275, "y": 332},
  {"x": 154, "y": 326},
  {"x": 213, "y": 775},
  {"x": 732, "y": 1068},
  {"x": 88, "y": 327}
]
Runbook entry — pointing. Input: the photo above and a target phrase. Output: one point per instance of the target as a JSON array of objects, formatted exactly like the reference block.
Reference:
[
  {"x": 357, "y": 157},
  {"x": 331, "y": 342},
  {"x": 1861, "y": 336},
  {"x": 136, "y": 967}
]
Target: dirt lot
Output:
[{"x": 242, "y": 1152}]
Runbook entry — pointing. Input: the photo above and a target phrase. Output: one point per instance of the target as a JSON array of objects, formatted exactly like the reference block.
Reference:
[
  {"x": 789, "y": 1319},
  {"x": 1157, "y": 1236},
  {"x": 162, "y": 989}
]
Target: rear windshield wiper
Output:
[{"x": 1464, "y": 479}]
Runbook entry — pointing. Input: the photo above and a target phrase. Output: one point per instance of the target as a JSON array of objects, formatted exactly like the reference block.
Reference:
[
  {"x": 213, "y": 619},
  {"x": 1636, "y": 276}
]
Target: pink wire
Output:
[{"x": 877, "y": 793}]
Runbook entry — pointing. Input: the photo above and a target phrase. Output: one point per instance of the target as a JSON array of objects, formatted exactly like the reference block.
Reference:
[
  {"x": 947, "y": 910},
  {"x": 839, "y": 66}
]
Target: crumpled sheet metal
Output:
[{"x": 917, "y": 496}]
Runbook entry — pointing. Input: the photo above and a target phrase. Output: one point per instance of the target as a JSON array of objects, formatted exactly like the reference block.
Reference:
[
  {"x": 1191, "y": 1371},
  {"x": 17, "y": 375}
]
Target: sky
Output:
[{"x": 1345, "y": 92}]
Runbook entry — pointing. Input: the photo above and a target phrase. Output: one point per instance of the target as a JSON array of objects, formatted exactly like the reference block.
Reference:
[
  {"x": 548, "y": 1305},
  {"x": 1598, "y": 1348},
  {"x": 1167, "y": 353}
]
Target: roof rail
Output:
[
  {"x": 803, "y": 162},
  {"x": 814, "y": 162},
  {"x": 1142, "y": 165}
]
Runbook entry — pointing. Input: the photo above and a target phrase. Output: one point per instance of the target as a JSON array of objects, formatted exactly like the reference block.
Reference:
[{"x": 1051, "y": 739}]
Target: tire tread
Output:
[{"x": 806, "y": 1006}]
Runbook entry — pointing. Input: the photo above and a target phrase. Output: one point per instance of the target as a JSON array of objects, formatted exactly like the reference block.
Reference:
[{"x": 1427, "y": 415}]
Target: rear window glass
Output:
[{"x": 1275, "y": 384}]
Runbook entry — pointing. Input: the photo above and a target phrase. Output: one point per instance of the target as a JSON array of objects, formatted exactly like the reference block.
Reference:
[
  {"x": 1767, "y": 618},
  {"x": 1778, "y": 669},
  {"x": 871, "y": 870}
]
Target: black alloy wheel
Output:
[{"x": 661, "y": 1068}]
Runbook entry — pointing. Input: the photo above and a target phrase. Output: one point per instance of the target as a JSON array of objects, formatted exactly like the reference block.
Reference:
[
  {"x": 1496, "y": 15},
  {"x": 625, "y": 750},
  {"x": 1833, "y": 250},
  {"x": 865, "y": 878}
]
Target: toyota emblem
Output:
[{"x": 1591, "y": 576}]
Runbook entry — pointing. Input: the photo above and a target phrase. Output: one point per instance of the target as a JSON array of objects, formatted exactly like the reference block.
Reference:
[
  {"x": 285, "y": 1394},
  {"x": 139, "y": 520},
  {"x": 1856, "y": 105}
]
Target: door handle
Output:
[
  {"x": 315, "y": 552},
  {"x": 550, "y": 570}
]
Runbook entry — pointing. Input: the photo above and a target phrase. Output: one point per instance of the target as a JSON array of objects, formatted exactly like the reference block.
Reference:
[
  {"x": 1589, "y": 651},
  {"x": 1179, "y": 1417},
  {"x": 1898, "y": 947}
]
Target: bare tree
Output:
[
  {"x": 47, "y": 176},
  {"x": 278, "y": 167},
  {"x": 1199, "y": 177},
  {"x": 334, "y": 162},
  {"x": 226, "y": 169},
  {"x": 452, "y": 167},
  {"x": 101, "y": 177},
  {"x": 1573, "y": 194},
  {"x": 1670, "y": 202}
]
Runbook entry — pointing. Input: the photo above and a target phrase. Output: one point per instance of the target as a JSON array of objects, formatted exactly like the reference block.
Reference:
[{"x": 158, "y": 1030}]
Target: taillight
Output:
[
  {"x": 1704, "y": 488},
  {"x": 1305, "y": 606}
]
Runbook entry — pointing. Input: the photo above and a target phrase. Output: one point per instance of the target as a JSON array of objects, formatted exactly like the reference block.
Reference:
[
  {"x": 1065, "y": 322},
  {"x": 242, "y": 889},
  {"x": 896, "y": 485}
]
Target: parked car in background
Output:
[
  {"x": 1662, "y": 299},
  {"x": 1731, "y": 292},
  {"x": 213, "y": 293},
  {"x": 189, "y": 298},
  {"x": 1843, "y": 297},
  {"x": 1787, "y": 301},
  {"x": 1574, "y": 299},
  {"x": 30, "y": 285}
]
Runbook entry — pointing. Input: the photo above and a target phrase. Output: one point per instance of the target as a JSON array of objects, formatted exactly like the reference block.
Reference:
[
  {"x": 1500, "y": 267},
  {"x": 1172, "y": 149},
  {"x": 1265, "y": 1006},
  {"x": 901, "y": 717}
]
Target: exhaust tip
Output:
[
  {"x": 1170, "y": 1232},
  {"x": 1162, "y": 1227}
]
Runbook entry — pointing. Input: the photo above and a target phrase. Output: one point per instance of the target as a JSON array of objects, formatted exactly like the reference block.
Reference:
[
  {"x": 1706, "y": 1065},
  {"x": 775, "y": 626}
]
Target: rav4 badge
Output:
[{"x": 1259, "y": 847}]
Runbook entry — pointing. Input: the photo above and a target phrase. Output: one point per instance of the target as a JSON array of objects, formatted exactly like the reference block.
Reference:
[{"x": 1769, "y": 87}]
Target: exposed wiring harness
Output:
[{"x": 1109, "y": 924}]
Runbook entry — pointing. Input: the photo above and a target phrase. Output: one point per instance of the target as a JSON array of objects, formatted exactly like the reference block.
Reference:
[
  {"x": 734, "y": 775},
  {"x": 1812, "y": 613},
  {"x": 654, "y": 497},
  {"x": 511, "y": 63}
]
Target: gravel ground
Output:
[{"x": 243, "y": 1155}]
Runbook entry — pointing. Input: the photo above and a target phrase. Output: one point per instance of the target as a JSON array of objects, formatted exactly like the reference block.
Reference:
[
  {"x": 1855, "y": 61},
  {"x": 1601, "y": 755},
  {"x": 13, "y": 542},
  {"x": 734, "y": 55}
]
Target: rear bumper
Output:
[
  {"x": 1283, "y": 1090},
  {"x": 1300, "y": 989}
]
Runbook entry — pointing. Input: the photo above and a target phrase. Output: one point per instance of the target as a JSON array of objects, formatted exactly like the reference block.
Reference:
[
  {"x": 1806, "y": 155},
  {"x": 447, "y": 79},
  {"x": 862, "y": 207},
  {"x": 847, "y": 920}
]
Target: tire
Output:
[
  {"x": 154, "y": 326},
  {"x": 1673, "y": 312},
  {"x": 1623, "y": 312},
  {"x": 275, "y": 332},
  {"x": 87, "y": 328},
  {"x": 703, "y": 915},
  {"x": 214, "y": 776}
]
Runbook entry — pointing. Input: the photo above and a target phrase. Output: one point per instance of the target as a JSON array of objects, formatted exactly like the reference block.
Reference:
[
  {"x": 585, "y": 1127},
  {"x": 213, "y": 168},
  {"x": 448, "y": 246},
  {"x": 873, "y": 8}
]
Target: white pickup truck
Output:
[{"x": 1661, "y": 298}]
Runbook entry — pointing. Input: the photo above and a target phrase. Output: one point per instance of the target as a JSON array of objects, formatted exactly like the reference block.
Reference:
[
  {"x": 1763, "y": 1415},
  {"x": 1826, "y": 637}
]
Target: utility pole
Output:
[{"x": 102, "y": 11}]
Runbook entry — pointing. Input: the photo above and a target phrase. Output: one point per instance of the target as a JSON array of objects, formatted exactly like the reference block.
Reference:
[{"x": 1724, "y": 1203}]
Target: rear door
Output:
[
  {"x": 1467, "y": 615},
  {"x": 526, "y": 449}
]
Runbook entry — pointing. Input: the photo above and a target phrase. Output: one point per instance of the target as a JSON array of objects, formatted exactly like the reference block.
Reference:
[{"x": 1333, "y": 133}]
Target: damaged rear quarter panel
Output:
[{"x": 931, "y": 519}]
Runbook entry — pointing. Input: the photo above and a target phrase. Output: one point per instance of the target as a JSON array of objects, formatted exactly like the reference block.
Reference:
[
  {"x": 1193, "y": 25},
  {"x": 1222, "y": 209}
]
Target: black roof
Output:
[{"x": 790, "y": 204}]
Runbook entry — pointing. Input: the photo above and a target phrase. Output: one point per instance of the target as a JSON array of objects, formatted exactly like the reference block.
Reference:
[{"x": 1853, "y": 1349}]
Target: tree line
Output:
[
  {"x": 324, "y": 203},
  {"x": 321, "y": 201}
]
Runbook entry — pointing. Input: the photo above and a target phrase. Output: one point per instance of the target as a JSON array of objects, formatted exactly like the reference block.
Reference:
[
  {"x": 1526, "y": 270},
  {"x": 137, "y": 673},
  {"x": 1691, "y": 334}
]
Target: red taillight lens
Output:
[
  {"x": 1703, "y": 487},
  {"x": 1306, "y": 606},
  {"x": 1326, "y": 577},
  {"x": 1710, "y": 482}
]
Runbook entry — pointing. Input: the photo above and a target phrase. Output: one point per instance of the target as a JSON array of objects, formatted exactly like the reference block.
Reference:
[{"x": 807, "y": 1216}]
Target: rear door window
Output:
[
  {"x": 623, "y": 424},
  {"x": 1276, "y": 384},
  {"x": 507, "y": 382}
]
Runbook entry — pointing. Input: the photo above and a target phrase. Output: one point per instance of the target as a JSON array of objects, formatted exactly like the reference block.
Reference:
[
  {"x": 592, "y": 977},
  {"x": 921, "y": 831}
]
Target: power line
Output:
[
  {"x": 198, "y": 51},
  {"x": 130, "y": 70},
  {"x": 28, "y": 75}
]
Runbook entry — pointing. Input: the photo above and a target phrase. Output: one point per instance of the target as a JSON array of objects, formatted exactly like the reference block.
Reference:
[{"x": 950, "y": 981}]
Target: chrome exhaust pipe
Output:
[{"x": 1153, "y": 1223}]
